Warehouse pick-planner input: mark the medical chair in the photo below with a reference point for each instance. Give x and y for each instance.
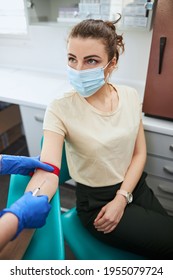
(83, 245)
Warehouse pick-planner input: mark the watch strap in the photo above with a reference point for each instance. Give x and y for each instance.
(122, 192)
(126, 194)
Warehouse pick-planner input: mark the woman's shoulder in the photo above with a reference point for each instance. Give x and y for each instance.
(128, 93)
(62, 98)
(123, 89)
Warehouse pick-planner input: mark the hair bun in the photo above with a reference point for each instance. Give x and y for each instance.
(111, 25)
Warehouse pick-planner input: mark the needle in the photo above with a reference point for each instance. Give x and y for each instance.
(38, 189)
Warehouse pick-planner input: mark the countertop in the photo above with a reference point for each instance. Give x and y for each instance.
(37, 89)
(30, 88)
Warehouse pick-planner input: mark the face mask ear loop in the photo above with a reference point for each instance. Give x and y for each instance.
(108, 75)
(107, 78)
(107, 65)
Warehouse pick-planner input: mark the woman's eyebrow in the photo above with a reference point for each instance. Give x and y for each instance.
(86, 57)
(92, 55)
(71, 54)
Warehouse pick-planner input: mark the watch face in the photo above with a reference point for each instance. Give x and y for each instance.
(129, 197)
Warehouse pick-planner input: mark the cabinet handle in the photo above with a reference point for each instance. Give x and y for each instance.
(171, 147)
(161, 54)
(38, 119)
(165, 189)
(168, 169)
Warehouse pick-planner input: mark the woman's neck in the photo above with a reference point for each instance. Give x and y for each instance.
(105, 99)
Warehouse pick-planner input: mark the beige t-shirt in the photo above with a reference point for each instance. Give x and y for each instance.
(99, 145)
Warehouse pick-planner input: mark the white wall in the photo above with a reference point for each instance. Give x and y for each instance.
(45, 50)
(133, 63)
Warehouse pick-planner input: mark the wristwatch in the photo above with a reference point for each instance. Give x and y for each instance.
(128, 195)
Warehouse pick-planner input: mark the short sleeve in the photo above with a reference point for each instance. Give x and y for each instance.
(53, 119)
(138, 103)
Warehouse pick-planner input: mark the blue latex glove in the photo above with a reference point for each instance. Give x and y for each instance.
(30, 210)
(22, 165)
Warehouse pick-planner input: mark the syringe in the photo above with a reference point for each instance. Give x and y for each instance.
(38, 189)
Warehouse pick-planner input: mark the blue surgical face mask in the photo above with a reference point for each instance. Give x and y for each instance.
(87, 82)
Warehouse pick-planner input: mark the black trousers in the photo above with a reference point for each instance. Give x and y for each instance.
(145, 228)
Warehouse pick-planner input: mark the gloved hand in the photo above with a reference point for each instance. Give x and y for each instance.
(30, 210)
(22, 165)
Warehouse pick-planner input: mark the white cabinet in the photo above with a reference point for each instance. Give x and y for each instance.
(33, 126)
(135, 14)
(159, 167)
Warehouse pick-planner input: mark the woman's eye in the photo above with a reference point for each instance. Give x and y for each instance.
(92, 61)
(71, 60)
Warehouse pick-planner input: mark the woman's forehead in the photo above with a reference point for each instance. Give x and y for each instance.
(86, 46)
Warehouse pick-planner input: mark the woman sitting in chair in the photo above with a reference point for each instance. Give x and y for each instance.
(101, 124)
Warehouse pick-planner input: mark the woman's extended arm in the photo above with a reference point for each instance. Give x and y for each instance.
(111, 213)
(8, 228)
(51, 153)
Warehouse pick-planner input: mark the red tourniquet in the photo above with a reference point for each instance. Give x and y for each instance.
(56, 170)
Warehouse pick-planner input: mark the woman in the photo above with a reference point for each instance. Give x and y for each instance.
(27, 212)
(105, 147)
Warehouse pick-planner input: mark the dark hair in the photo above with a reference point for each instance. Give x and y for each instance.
(103, 30)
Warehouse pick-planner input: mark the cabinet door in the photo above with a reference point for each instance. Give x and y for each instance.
(33, 126)
(163, 189)
(158, 97)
